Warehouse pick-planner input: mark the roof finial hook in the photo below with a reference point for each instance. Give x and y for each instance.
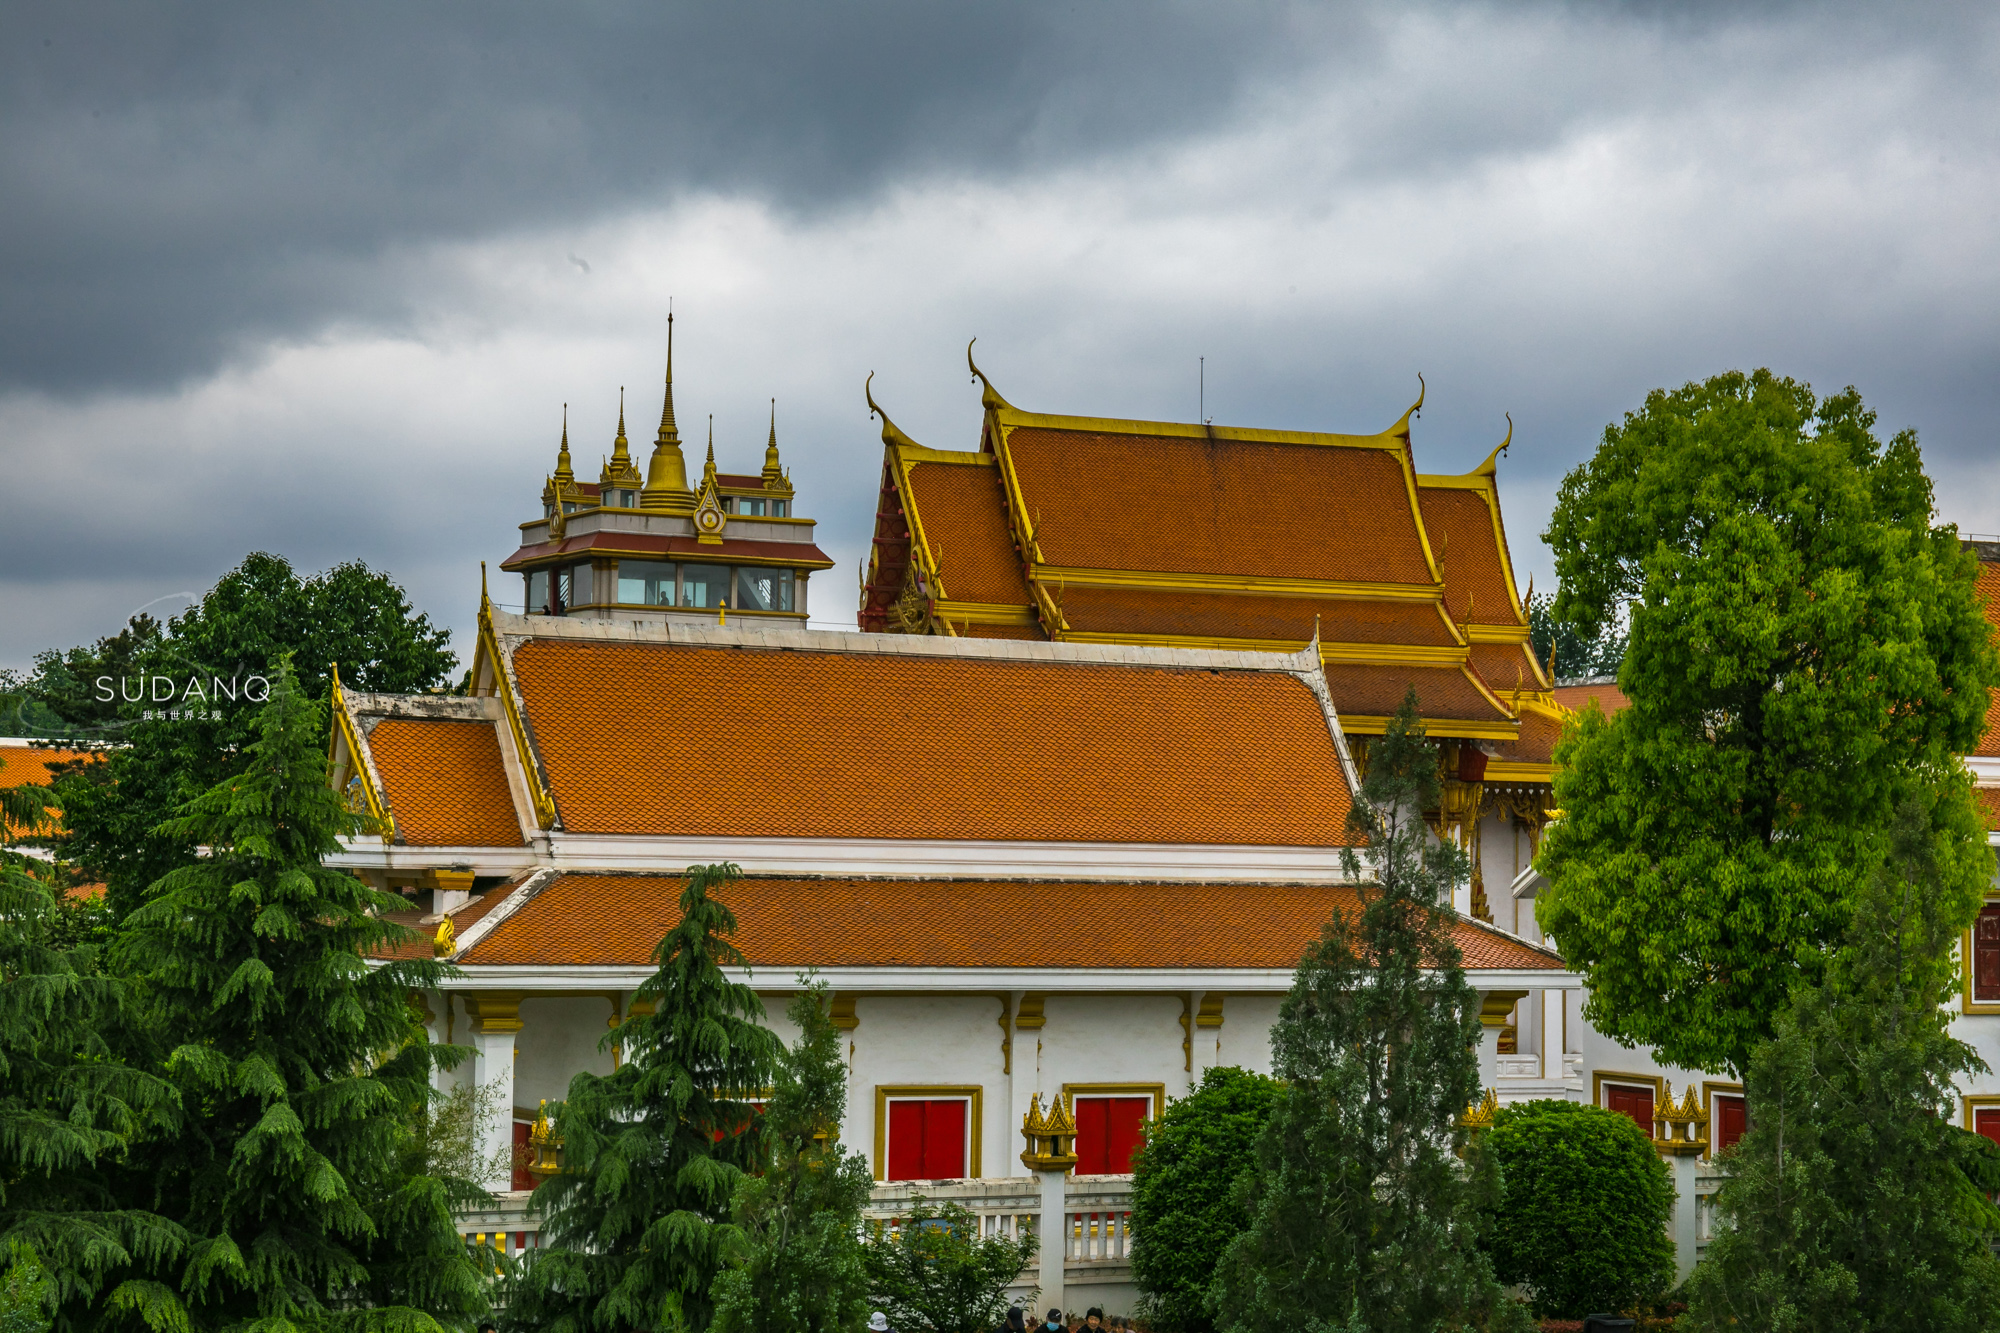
(989, 397)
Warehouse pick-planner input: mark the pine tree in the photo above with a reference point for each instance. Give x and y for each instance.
(1361, 1213)
(298, 1062)
(68, 1106)
(797, 1266)
(633, 1227)
(1846, 1209)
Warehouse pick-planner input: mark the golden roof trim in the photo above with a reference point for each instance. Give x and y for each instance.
(1245, 585)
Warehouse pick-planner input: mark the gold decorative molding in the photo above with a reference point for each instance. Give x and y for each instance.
(1006, 1034)
(494, 1011)
(1210, 1013)
(1479, 1117)
(1030, 1014)
(1495, 1005)
(840, 1011)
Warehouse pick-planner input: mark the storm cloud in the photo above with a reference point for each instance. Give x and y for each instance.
(319, 280)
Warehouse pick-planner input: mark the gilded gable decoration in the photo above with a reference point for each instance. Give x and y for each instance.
(709, 518)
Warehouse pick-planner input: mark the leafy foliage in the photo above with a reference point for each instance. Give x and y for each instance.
(1359, 1213)
(1575, 654)
(937, 1274)
(1182, 1217)
(796, 1262)
(1584, 1207)
(296, 1062)
(24, 1293)
(68, 1108)
(634, 1226)
(1806, 651)
(117, 809)
(1849, 1205)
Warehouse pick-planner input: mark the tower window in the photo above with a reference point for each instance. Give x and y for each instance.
(764, 589)
(645, 583)
(746, 505)
(704, 585)
(538, 591)
(781, 509)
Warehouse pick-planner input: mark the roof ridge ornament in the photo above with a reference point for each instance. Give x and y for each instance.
(989, 397)
(1491, 467)
(709, 520)
(891, 432)
(1402, 426)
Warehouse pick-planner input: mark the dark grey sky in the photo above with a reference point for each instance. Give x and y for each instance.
(319, 280)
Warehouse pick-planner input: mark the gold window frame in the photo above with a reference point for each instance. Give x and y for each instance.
(888, 1092)
(1973, 1104)
(1966, 1003)
(1657, 1082)
(1709, 1091)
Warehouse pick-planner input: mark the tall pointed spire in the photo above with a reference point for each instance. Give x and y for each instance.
(666, 472)
(619, 471)
(772, 472)
(564, 472)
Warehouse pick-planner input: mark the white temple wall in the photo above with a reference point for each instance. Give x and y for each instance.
(557, 1041)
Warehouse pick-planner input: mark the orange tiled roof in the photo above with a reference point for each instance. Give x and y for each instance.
(1505, 667)
(1460, 528)
(445, 783)
(865, 745)
(26, 765)
(1989, 592)
(1609, 697)
(422, 946)
(784, 923)
(964, 519)
(1232, 616)
(1192, 505)
(1377, 691)
(1537, 741)
(1020, 632)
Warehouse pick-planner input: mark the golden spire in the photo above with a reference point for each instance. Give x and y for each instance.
(666, 472)
(772, 472)
(708, 468)
(564, 473)
(619, 471)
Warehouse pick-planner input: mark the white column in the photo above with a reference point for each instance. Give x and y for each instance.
(1552, 1032)
(1054, 1234)
(496, 1019)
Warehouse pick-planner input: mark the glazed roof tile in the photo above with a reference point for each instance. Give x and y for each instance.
(925, 744)
(1234, 616)
(1577, 697)
(1460, 528)
(1443, 692)
(445, 783)
(964, 520)
(29, 765)
(1193, 505)
(1989, 592)
(582, 919)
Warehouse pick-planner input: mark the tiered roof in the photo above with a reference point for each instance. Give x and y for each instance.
(1105, 531)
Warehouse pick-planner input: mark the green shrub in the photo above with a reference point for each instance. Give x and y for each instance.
(1585, 1202)
(1182, 1218)
(936, 1274)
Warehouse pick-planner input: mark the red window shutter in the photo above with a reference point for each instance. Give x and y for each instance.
(906, 1141)
(927, 1140)
(1986, 955)
(521, 1179)
(1093, 1144)
(1635, 1102)
(1732, 1117)
(944, 1140)
(1986, 1120)
(1128, 1117)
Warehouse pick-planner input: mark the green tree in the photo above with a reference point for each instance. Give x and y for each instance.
(796, 1256)
(1573, 653)
(117, 808)
(1583, 1209)
(24, 1293)
(63, 693)
(1806, 650)
(1182, 1215)
(68, 1107)
(634, 1226)
(297, 1060)
(1847, 1206)
(937, 1274)
(1360, 1215)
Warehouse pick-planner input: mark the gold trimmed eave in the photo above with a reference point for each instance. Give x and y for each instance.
(348, 734)
(638, 546)
(1364, 724)
(982, 613)
(1332, 654)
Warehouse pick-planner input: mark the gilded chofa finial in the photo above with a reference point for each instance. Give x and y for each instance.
(891, 433)
(989, 396)
(1402, 426)
(445, 941)
(1491, 467)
